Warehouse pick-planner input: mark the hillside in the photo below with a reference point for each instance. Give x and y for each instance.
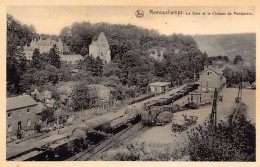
(228, 45)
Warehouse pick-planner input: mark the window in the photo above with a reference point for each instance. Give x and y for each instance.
(28, 110)
(28, 122)
(10, 128)
(191, 98)
(19, 113)
(9, 115)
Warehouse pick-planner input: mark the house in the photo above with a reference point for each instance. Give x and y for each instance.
(21, 113)
(100, 48)
(73, 58)
(159, 87)
(211, 78)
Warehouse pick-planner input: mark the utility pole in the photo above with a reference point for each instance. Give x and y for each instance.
(239, 95)
(214, 109)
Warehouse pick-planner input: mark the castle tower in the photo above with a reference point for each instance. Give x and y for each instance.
(100, 48)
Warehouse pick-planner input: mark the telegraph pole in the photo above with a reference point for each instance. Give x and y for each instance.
(214, 109)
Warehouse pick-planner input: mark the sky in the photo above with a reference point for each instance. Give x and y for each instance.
(51, 19)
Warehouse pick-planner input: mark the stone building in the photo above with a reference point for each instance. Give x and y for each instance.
(21, 113)
(73, 58)
(100, 48)
(44, 46)
(211, 78)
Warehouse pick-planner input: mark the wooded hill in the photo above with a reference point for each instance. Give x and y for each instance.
(228, 45)
(130, 71)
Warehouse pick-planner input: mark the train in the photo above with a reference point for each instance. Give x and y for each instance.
(94, 131)
(154, 108)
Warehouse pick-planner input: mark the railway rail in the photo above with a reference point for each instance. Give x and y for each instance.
(107, 144)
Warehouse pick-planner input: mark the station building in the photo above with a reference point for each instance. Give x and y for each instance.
(211, 78)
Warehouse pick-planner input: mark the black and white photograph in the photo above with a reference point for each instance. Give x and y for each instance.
(131, 83)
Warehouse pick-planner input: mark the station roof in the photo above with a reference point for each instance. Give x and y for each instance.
(159, 84)
(19, 102)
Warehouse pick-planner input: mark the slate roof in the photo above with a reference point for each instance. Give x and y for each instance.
(19, 102)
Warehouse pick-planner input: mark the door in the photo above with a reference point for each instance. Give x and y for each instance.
(20, 125)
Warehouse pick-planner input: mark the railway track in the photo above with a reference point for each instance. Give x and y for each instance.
(107, 144)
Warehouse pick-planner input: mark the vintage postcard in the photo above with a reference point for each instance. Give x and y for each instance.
(113, 83)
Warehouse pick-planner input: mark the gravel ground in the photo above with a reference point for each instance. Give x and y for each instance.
(163, 134)
(249, 98)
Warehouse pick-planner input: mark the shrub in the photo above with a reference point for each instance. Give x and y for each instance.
(223, 143)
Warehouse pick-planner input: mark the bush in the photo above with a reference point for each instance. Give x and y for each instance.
(223, 143)
(146, 152)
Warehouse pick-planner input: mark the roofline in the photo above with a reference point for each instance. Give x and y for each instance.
(22, 107)
(211, 69)
(165, 84)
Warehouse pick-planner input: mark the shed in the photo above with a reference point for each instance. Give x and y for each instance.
(159, 87)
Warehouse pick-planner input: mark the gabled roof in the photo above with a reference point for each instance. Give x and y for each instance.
(218, 71)
(19, 102)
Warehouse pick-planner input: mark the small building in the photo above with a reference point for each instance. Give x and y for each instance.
(211, 78)
(21, 113)
(159, 87)
(246, 85)
(253, 85)
(200, 97)
(73, 59)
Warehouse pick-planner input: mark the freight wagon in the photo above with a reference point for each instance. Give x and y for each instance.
(153, 108)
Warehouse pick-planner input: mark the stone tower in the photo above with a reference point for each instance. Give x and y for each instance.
(100, 48)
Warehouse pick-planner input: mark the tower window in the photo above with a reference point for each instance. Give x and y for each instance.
(28, 122)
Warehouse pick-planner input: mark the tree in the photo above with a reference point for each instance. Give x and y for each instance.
(238, 59)
(36, 59)
(98, 66)
(223, 143)
(47, 115)
(83, 97)
(54, 57)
